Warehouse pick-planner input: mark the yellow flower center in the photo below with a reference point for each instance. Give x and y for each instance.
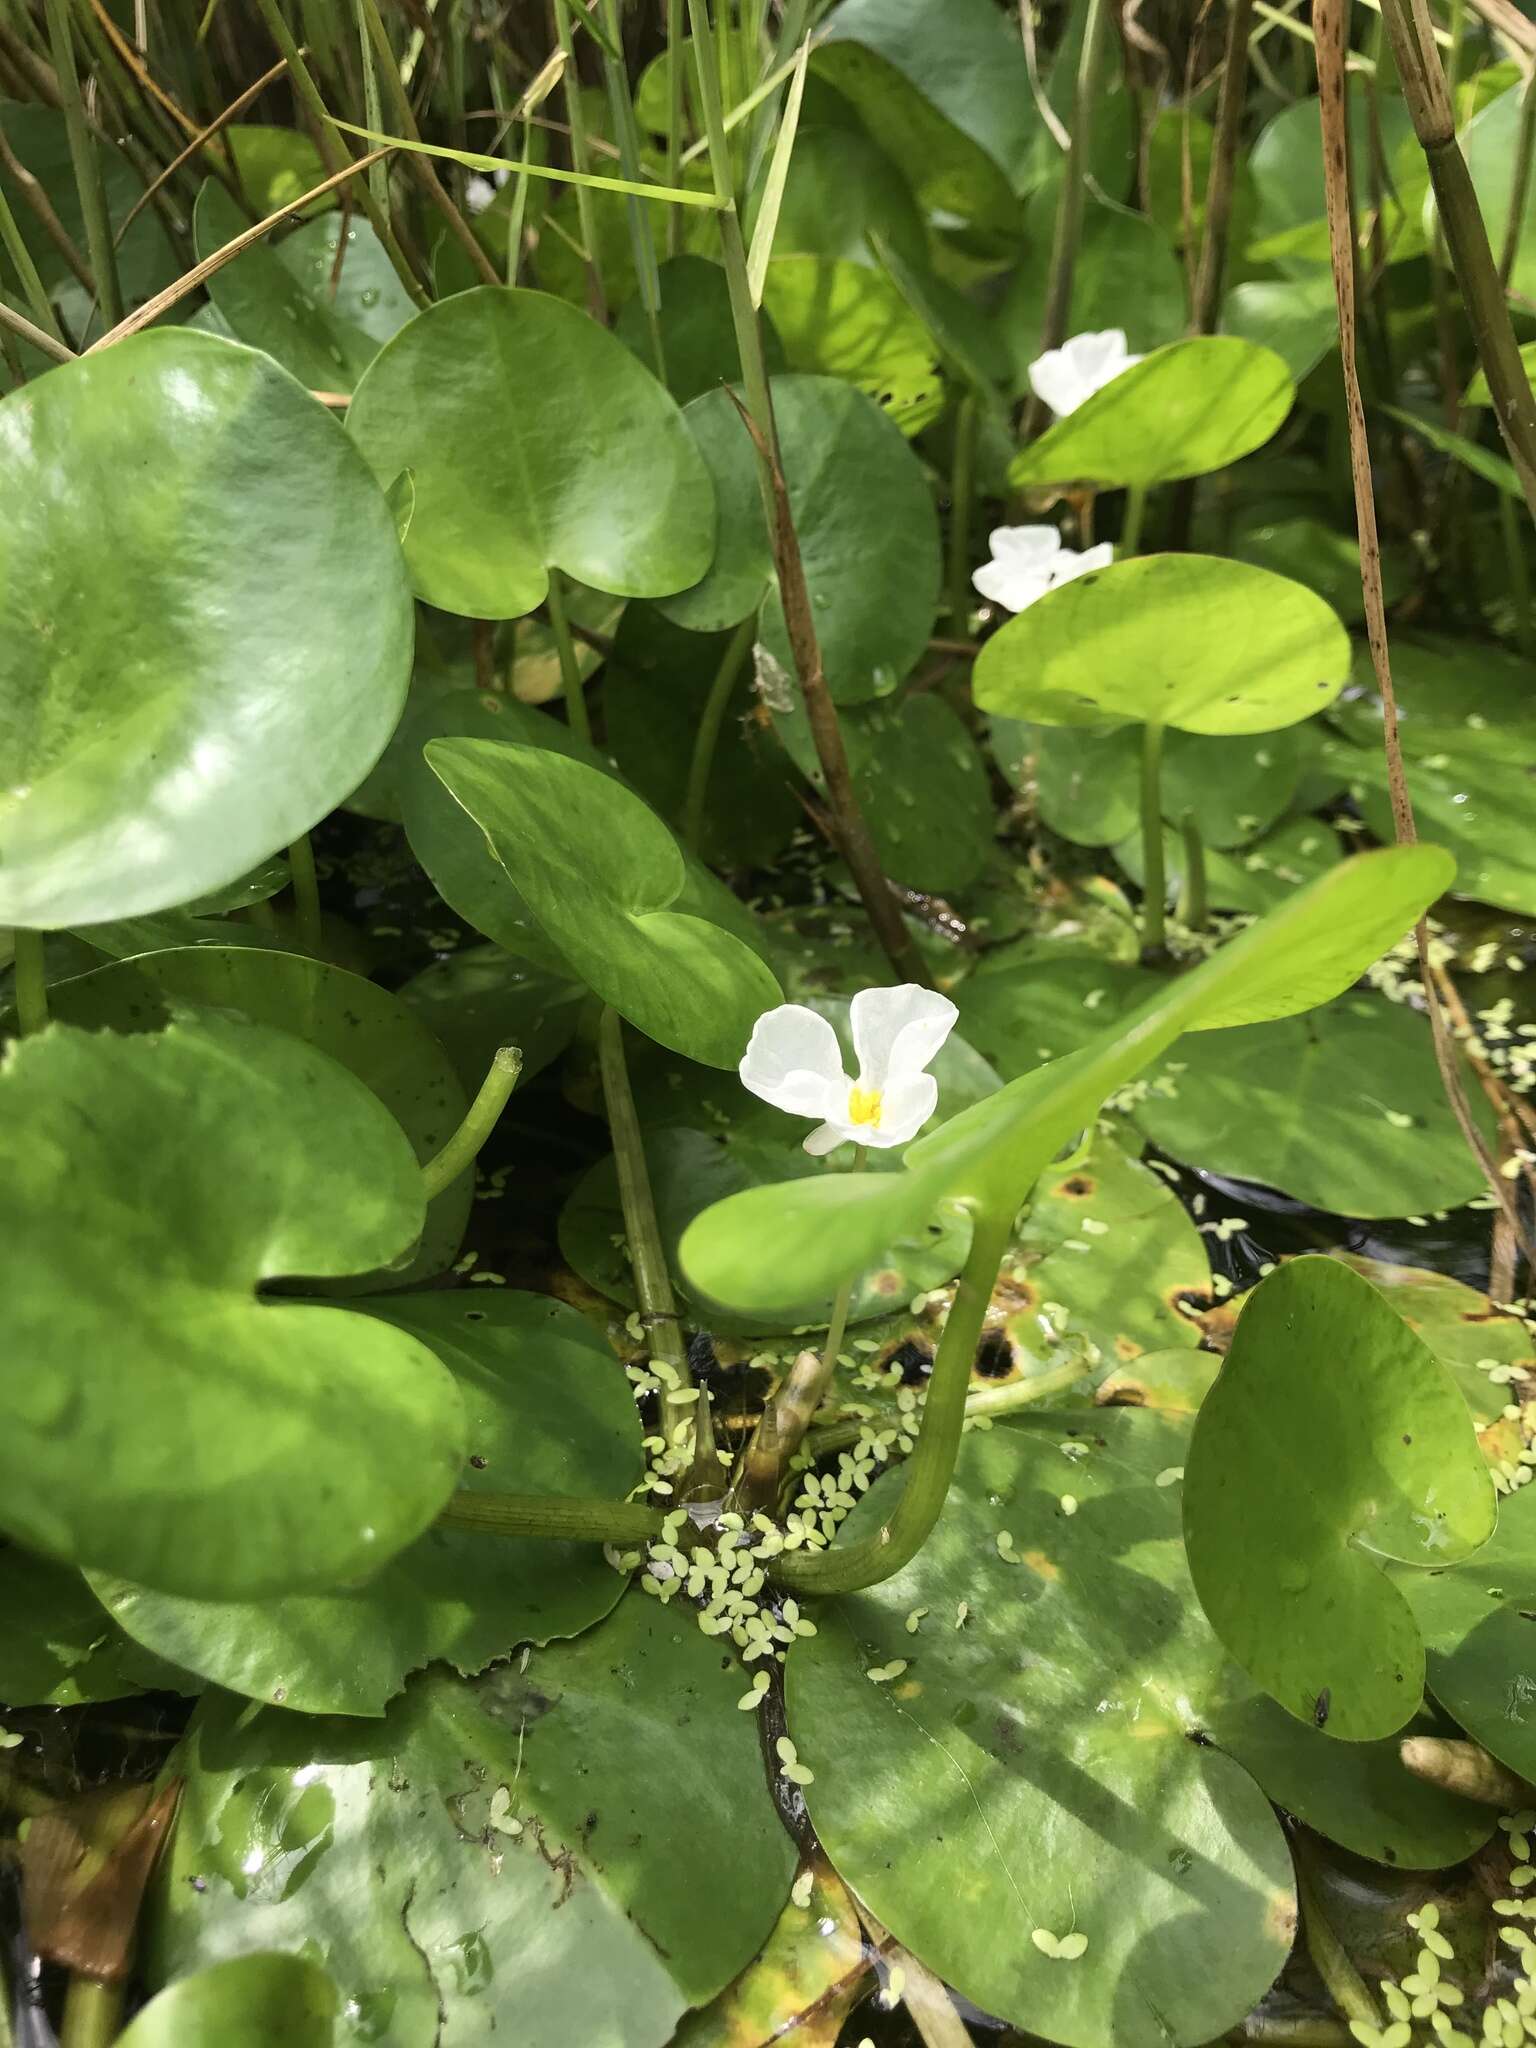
(864, 1107)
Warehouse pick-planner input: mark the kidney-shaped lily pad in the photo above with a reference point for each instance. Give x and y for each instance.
(548, 1411)
(58, 1645)
(1034, 1756)
(359, 1024)
(537, 442)
(205, 633)
(990, 1155)
(1333, 1442)
(865, 518)
(247, 2002)
(234, 1446)
(600, 871)
(1194, 641)
(1478, 1620)
(1191, 407)
(509, 1860)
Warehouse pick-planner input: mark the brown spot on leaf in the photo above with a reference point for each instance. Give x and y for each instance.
(1038, 1562)
(1127, 1348)
(1078, 1188)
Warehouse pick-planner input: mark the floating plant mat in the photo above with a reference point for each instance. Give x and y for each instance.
(510, 1855)
(1160, 1850)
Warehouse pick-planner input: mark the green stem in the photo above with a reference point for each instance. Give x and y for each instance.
(1154, 880)
(561, 1517)
(1342, 1981)
(648, 1259)
(962, 490)
(31, 982)
(332, 153)
(1194, 908)
(27, 271)
(570, 668)
(306, 894)
(87, 165)
(463, 1148)
(373, 111)
(1131, 524)
(674, 119)
(581, 160)
(627, 134)
(851, 1567)
(1069, 206)
(93, 2013)
(1519, 573)
(710, 721)
(1219, 185)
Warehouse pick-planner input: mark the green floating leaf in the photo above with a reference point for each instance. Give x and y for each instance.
(237, 1446)
(358, 1024)
(1290, 227)
(989, 1157)
(59, 1648)
(1343, 1110)
(547, 1411)
(1033, 1001)
(324, 320)
(603, 876)
(1191, 407)
(842, 319)
(1193, 641)
(1255, 878)
(1477, 1622)
(920, 783)
(537, 442)
(848, 471)
(1161, 1850)
(162, 738)
(480, 999)
(507, 1858)
(1332, 1443)
(1478, 807)
(248, 2002)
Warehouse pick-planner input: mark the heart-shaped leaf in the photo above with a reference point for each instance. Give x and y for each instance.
(535, 1815)
(58, 1646)
(847, 471)
(159, 644)
(537, 442)
(1332, 1442)
(236, 1446)
(1194, 641)
(841, 319)
(1191, 407)
(360, 1025)
(1343, 1109)
(247, 2002)
(324, 317)
(603, 875)
(548, 1411)
(1477, 1622)
(1302, 954)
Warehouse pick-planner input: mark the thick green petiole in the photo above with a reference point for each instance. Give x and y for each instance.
(306, 894)
(570, 668)
(1193, 908)
(707, 738)
(851, 1567)
(558, 1517)
(1154, 879)
(463, 1148)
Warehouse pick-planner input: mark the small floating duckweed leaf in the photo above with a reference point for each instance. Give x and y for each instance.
(1333, 1443)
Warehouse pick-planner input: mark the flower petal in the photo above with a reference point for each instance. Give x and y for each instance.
(1010, 584)
(1031, 546)
(897, 1031)
(827, 1137)
(905, 1106)
(1067, 565)
(1055, 378)
(794, 1062)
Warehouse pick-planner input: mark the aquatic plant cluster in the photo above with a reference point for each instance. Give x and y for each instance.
(766, 1129)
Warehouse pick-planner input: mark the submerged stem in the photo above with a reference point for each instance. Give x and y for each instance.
(560, 1517)
(931, 1466)
(711, 718)
(306, 893)
(93, 2013)
(1194, 907)
(1131, 523)
(648, 1259)
(570, 668)
(31, 982)
(463, 1148)
(1154, 879)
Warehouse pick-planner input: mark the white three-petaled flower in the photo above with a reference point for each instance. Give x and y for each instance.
(1027, 561)
(1065, 376)
(794, 1061)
